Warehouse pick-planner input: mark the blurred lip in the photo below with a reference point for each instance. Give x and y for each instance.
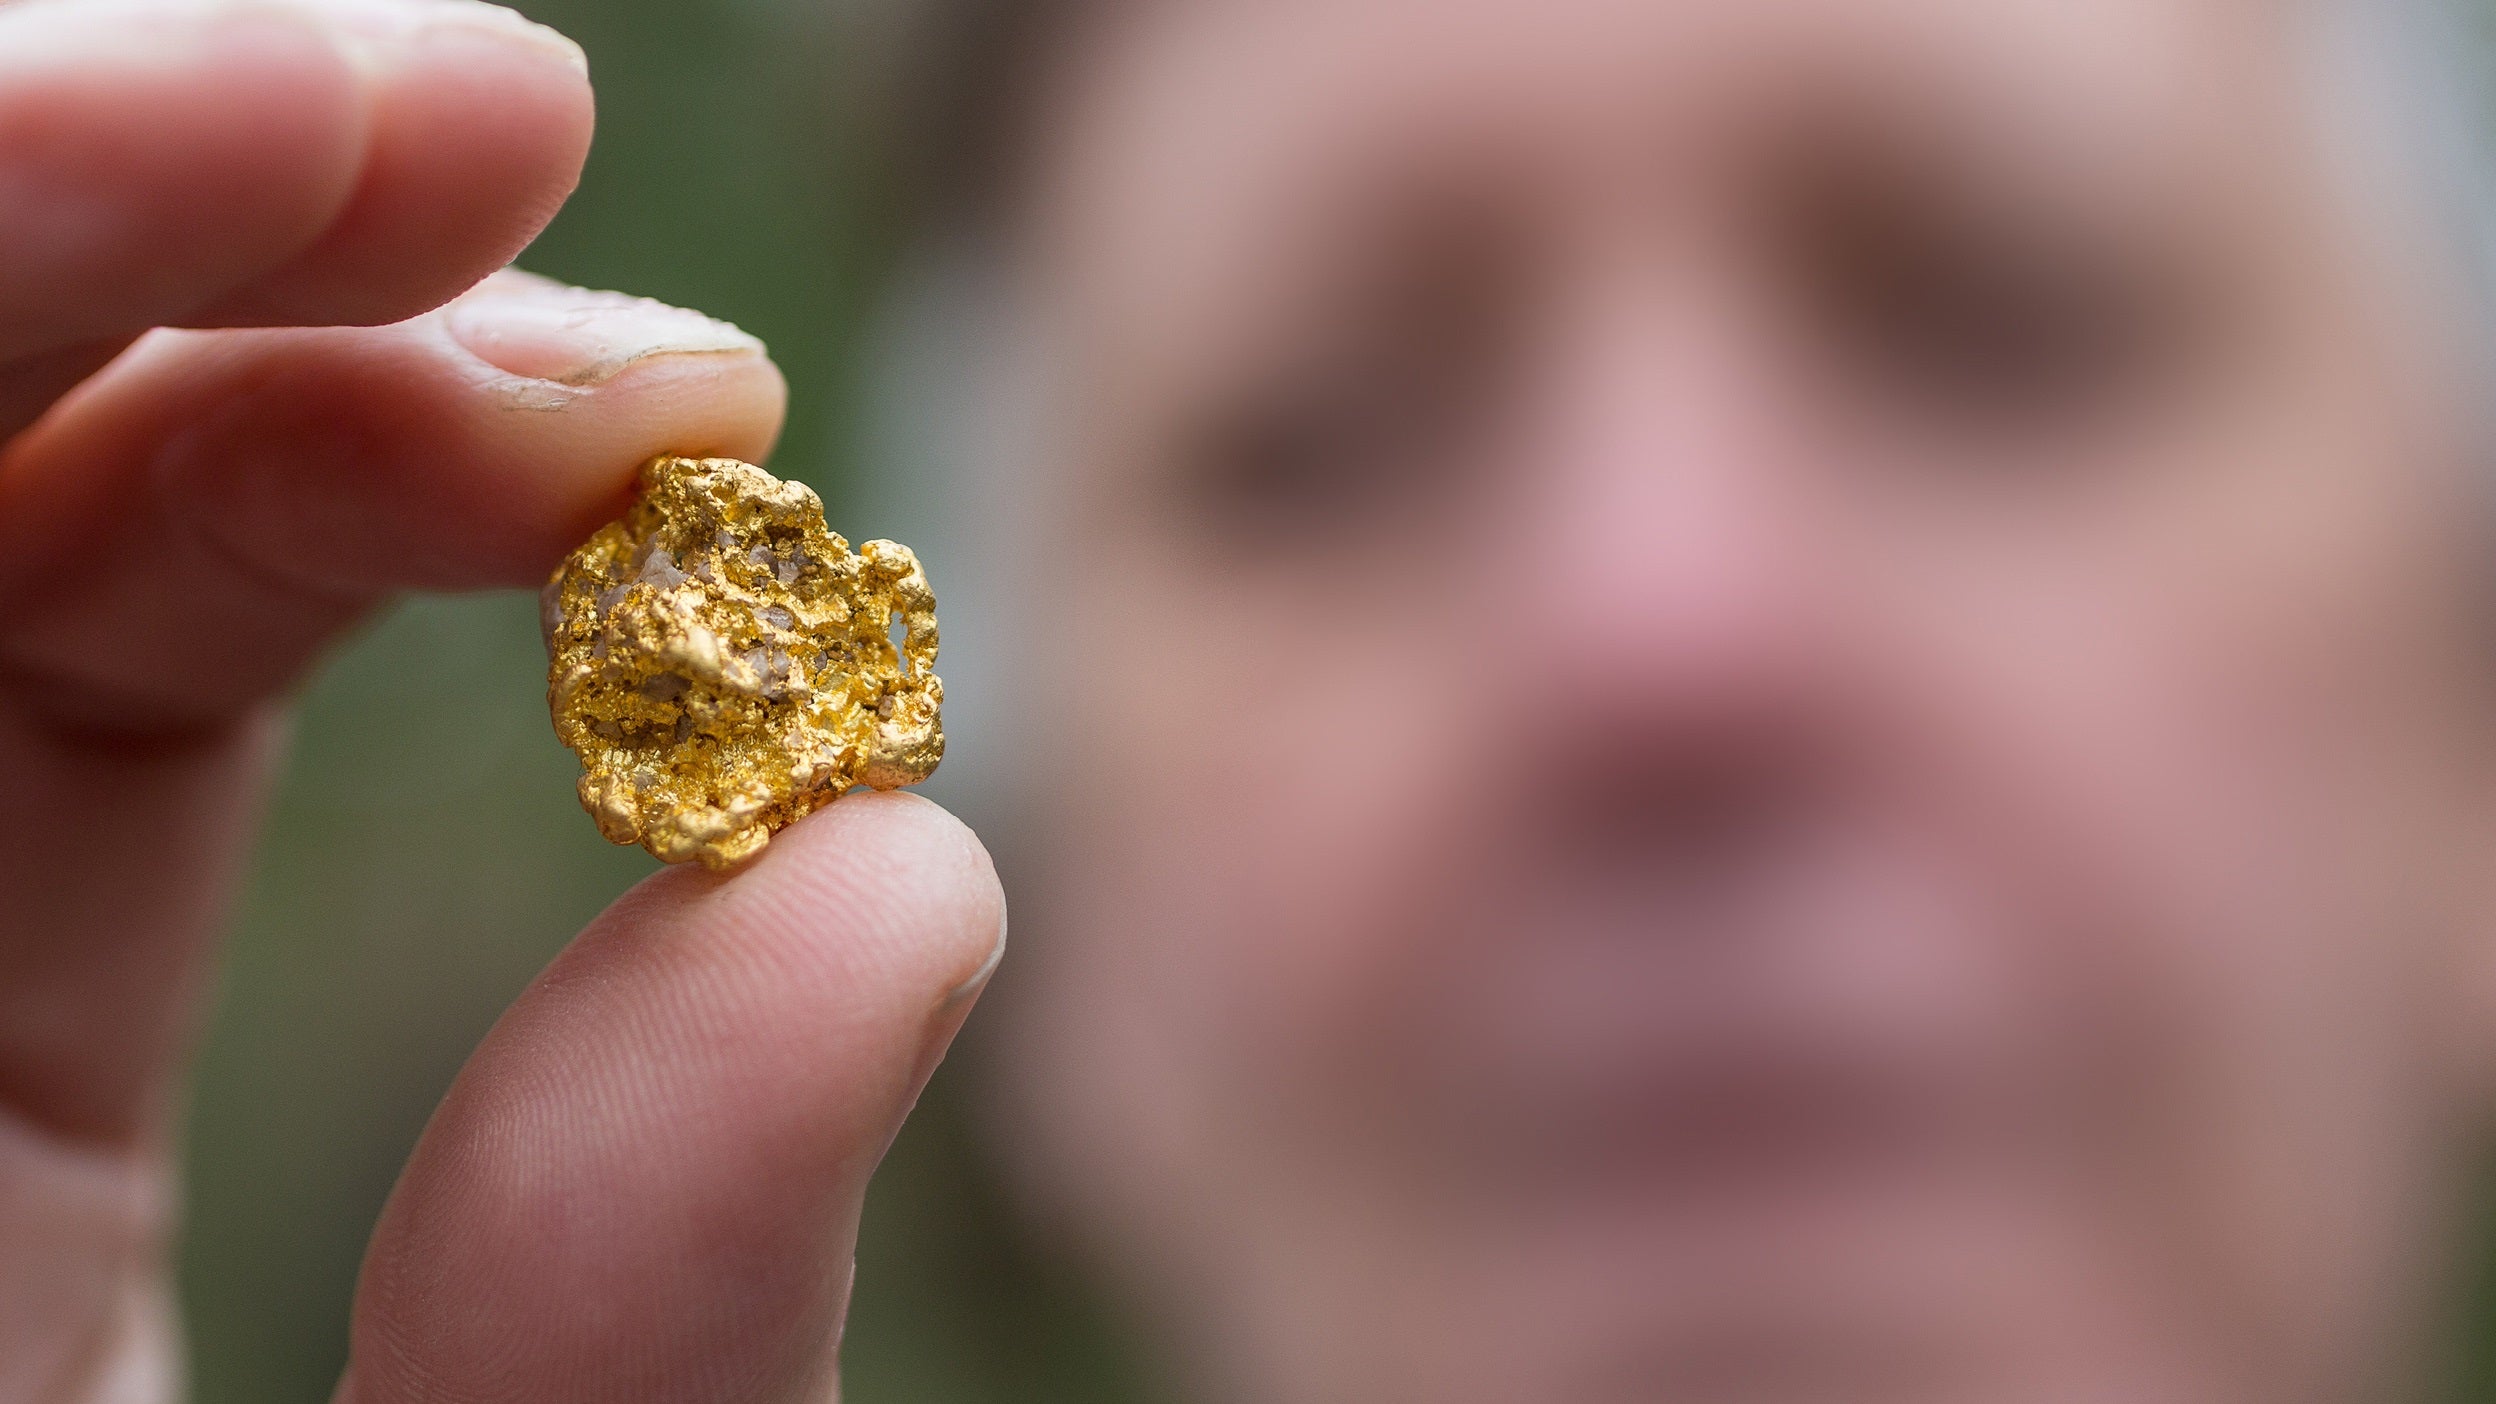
(1826, 1018)
(1770, 1118)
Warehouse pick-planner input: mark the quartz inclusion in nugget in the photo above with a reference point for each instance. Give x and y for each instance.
(725, 666)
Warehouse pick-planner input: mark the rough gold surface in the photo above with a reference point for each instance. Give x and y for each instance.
(725, 665)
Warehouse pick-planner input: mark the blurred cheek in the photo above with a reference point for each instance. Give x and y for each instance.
(2237, 635)
(2216, 723)
(1276, 774)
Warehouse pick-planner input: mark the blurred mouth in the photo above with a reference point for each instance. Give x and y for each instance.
(1730, 1125)
(1832, 1023)
(1821, 1026)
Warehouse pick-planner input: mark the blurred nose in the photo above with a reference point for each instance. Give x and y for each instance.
(1676, 555)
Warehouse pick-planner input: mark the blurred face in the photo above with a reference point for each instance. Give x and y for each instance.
(1768, 701)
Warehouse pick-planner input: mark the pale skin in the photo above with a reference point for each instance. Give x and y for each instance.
(646, 1183)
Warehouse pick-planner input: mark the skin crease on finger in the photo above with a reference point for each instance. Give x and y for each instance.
(1781, 702)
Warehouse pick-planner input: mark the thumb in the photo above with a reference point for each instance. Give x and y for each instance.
(645, 1185)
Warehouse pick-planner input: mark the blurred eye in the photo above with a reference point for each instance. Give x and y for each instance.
(1380, 401)
(2010, 339)
(1994, 324)
(1316, 453)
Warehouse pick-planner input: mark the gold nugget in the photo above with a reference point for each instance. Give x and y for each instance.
(725, 666)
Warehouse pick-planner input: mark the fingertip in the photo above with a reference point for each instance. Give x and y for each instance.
(891, 889)
(944, 902)
(553, 459)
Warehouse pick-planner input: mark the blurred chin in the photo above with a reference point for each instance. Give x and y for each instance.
(1932, 1295)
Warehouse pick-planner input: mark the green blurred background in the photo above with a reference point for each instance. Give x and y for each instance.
(425, 856)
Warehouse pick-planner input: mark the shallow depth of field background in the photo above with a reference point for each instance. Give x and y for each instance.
(425, 856)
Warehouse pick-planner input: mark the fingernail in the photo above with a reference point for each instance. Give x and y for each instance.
(947, 1020)
(540, 330)
(988, 967)
(387, 23)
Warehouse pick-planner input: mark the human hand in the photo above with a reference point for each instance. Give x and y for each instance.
(646, 1183)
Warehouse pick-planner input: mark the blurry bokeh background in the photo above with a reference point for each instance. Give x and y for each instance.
(425, 856)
